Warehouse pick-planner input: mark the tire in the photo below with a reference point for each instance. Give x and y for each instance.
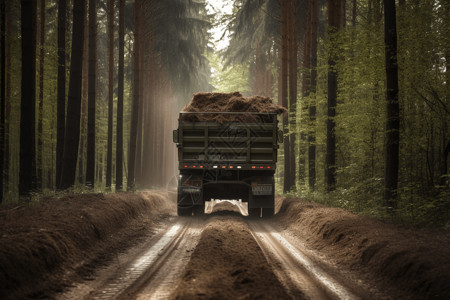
(199, 210)
(268, 212)
(254, 212)
(184, 211)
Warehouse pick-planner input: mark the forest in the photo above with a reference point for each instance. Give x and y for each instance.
(91, 89)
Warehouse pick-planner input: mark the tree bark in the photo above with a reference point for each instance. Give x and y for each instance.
(334, 9)
(293, 90)
(2, 92)
(110, 92)
(61, 89)
(84, 96)
(27, 175)
(393, 109)
(72, 132)
(119, 130)
(41, 96)
(284, 91)
(92, 83)
(136, 97)
(6, 183)
(312, 106)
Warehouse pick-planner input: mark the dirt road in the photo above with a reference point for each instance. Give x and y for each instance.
(305, 252)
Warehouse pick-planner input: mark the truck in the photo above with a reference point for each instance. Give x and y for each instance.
(227, 160)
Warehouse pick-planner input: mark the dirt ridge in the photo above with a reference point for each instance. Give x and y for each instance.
(228, 264)
(40, 243)
(413, 261)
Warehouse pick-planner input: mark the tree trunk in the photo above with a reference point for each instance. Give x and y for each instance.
(2, 92)
(72, 132)
(110, 92)
(306, 65)
(119, 130)
(6, 183)
(334, 9)
(92, 82)
(140, 130)
(27, 175)
(84, 96)
(41, 96)
(312, 107)
(136, 97)
(293, 90)
(284, 91)
(393, 109)
(61, 89)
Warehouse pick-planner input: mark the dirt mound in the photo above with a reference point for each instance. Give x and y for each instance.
(228, 264)
(41, 242)
(230, 102)
(414, 261)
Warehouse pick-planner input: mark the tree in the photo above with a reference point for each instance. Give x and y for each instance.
(334, 17)
(284, 90)
(41, 95)
(27, 175)
(392, 109)
(61, 89)
(110, 92)
(119, 130)
(72, 128)
(293, 49)
(92, 84)
(2, 91)
(313, 7)
(136, 96)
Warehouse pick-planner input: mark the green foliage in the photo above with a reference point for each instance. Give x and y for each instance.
(423, 30)
(228, 79)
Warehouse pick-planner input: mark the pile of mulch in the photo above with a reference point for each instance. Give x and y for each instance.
(228, 264)
(231, 102)
(412, 260)
(44, 242)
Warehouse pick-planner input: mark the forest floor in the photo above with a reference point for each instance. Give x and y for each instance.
(57, 248)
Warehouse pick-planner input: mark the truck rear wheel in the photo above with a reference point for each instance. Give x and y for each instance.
(184, 210)
(199, 210)
(254, 212)
(267, 212)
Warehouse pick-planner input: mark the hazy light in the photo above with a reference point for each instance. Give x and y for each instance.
(220, 8)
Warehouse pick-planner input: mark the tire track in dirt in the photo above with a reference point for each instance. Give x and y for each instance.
(153, 265)
(298, 273)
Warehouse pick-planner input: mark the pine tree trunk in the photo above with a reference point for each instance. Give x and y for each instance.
(312, 106)
(72, 132)
(27, 175)
(2, 92)
(293, 91)
(41, 97)
(110, 92)
(334, 9)
(119, 130)
(136, 97)
(92, 83)
(84, 96)
(61, 89)
(306, 64)
(393, 109)
(6, 148)
(140, 130)
(284, 91)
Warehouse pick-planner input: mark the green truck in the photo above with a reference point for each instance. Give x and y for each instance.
(227, 160)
